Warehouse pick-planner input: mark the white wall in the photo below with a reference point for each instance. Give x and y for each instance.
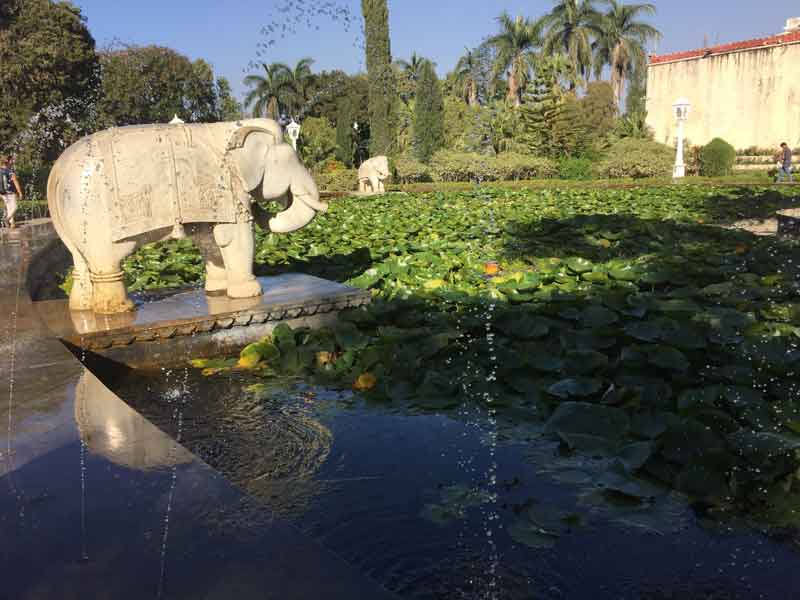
(748, 98)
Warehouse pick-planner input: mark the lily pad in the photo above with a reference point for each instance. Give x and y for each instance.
(579, 265)
(575, 387)
(588, 419)
(598, 316)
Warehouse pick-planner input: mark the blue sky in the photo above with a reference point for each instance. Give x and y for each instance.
(229, 33)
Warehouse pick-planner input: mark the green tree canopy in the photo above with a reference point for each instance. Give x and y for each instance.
(326, 91)
(150, 84)
(428, 114)
(50, 71)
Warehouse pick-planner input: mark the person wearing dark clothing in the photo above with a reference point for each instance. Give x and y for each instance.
(10, 190)
(784, 163)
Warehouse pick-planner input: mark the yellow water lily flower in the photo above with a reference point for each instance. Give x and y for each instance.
(365, 381)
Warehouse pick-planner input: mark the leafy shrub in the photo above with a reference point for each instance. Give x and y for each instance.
(632, 125)
(512, 167)
(455, 166)
(637, 159)
(317, 141)
(575, 168)
(331, 166)
(343, 180)
(717, 158)
(448, 166)
(410, 170)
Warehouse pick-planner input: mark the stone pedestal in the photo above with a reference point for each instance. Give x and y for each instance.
(171, 331)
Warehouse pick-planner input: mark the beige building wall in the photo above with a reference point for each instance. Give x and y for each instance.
(748, 98)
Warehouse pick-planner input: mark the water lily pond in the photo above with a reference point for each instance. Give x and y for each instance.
(553, 392)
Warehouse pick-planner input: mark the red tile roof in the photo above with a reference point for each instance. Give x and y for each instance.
(775, 40)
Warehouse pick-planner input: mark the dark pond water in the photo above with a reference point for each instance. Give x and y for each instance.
(455, 504)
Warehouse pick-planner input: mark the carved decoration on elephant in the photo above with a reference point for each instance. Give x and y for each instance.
(371, 175)
(117, 189)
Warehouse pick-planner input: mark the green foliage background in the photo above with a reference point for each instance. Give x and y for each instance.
(428, 114)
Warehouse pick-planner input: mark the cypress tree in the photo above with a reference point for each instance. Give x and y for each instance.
(428, 114)
(382, 84)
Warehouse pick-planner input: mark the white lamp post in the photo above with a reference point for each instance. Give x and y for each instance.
(681, 110)
(293, 131)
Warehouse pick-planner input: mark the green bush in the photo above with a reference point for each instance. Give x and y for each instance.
(448, 166)
(343, 180)
(637, 159)
(317, 141)
(575, 168)
(456, 166)
(717, 158)
(410, 170)
(513, 167)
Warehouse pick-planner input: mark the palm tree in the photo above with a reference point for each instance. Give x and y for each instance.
(465, 75)
(515, 46)
(409, 74)
(621, 41)
(298, 80)
(570, 27)
(271, 92)
(412, 69)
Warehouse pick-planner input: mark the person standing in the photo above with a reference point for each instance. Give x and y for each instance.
(10, 189)
(784, 163)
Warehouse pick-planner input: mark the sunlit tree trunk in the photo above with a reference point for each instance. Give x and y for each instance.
(272, 108)
(618, 74)
(472, 97)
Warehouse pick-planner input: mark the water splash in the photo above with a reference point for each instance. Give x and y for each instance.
(180, 398)
(13, 321)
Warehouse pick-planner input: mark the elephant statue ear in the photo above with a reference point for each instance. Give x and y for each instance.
(249, 146)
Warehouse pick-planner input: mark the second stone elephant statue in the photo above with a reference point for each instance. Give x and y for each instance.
(372, 173)
(118, 189)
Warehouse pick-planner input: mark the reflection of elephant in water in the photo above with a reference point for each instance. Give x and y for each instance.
(112, 429)
(118, 189)
(371, 174)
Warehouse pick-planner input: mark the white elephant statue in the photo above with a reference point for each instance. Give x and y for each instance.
(371, 174)
(117, 189)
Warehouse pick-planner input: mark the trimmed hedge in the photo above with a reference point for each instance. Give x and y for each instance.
(342, 180)
(717, 158)
(575, 168)
(636, 159)
(448, 166)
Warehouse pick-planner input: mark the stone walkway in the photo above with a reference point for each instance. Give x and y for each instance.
(95, 502)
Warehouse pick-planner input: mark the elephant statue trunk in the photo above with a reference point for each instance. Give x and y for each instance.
(285, 176)
(117, 189)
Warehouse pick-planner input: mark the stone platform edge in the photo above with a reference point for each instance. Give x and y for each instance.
(163, 331)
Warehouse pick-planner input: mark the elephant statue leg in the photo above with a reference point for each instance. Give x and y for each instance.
(81, 294)
(362, 185)
(375, 183)
(108, 290)
(236, 243)
(381, 187)
(216, 276)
